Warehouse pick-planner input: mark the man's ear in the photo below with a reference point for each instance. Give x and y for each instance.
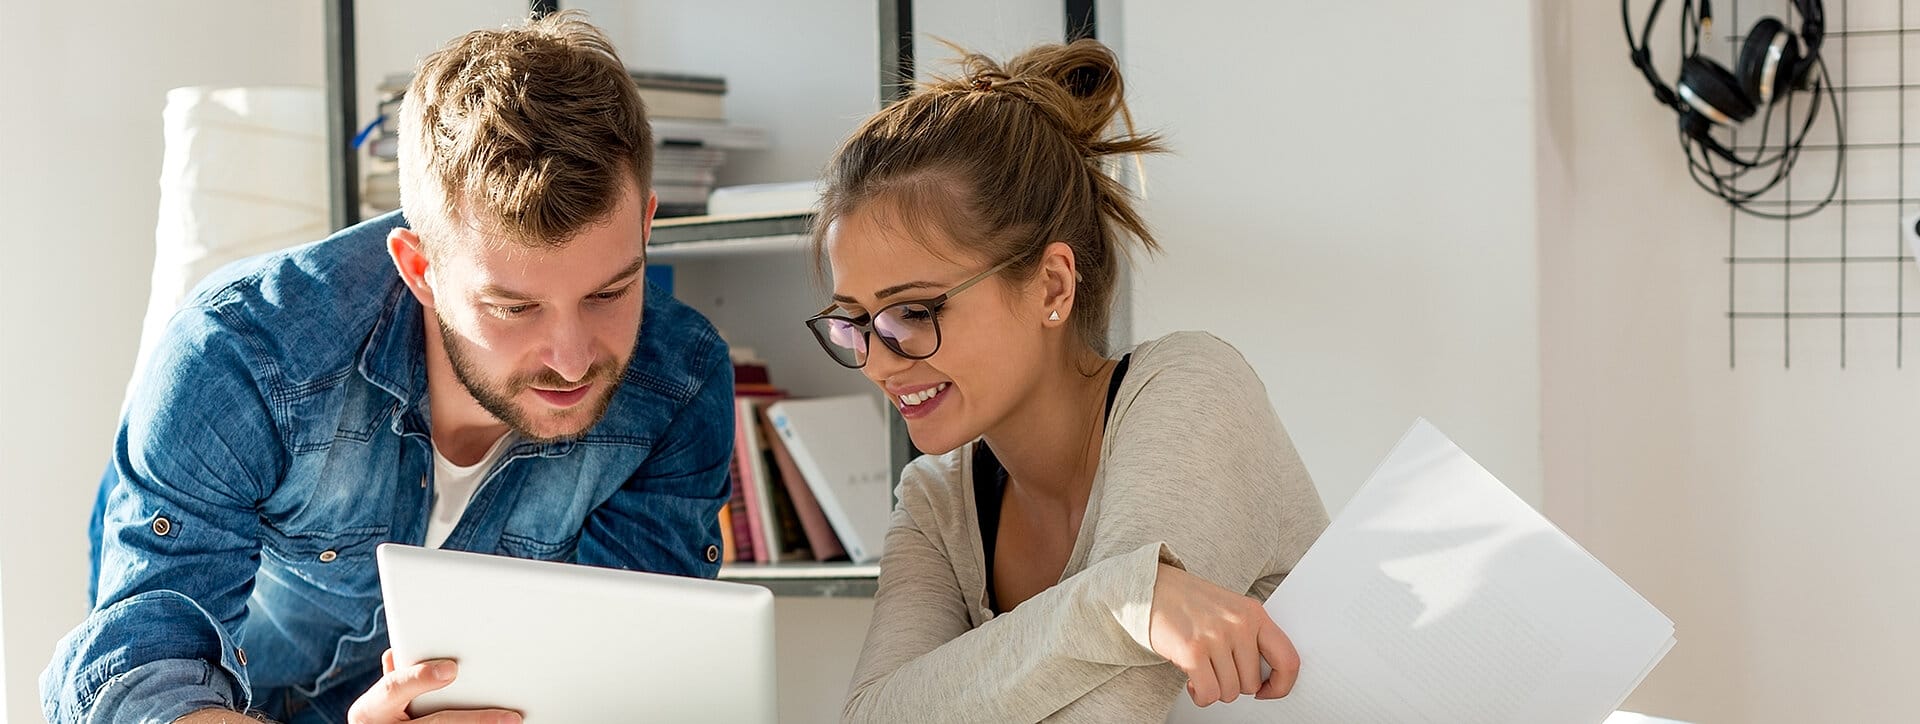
(412, 263)
(646, 222)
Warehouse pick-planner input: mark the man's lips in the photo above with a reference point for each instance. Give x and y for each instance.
(563, 398)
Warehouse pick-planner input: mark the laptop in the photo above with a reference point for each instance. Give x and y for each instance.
(563, 643)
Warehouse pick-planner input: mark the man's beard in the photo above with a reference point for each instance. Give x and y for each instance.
(497, 399)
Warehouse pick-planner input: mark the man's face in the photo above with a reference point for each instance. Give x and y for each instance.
(541, 337)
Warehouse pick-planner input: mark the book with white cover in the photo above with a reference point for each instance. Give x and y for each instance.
(840, 446)
(1439, 596)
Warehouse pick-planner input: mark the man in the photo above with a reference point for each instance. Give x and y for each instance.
(491, 373)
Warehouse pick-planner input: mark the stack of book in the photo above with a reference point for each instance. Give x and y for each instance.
(772, 514)
(691, 139)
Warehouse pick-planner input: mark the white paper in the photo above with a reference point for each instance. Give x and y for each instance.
(1439, 596)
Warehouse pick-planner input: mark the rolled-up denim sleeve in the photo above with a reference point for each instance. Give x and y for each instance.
(196, 451)
(666, 517)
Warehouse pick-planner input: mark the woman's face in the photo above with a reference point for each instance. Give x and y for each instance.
(991, 335)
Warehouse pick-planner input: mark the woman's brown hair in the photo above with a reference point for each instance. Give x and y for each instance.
(1003, 160)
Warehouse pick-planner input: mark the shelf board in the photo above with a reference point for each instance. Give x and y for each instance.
(716, 248)
(702, 237)
(807, 578)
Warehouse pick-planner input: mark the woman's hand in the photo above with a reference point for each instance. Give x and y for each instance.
(1218, 638)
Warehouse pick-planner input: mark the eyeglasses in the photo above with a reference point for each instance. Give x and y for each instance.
(910, 328)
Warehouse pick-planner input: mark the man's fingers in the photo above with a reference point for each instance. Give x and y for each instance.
(1280, 654)
(400, 688)
(386, 662)
(471, 716)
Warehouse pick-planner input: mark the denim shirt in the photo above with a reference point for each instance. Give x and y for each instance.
(280, 434)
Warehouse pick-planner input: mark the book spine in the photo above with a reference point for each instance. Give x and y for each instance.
(821, 540)
(737, 514)
(749, 489)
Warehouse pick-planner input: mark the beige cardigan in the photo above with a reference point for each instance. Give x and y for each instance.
(1195, 470)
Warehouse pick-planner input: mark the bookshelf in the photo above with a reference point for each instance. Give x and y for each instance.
(802, 578)
(751, 275)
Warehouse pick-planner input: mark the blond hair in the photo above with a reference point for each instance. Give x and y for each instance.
(526, 133)
(1003, 160)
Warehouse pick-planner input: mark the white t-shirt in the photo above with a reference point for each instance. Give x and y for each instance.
(453, 487)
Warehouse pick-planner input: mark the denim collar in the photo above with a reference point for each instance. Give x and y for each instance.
(394, 358)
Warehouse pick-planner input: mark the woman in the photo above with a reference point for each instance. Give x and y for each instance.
(1089, 533)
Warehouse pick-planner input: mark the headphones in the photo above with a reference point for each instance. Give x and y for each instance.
(1773, 62)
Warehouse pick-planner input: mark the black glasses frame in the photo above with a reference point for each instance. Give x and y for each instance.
(864, 323)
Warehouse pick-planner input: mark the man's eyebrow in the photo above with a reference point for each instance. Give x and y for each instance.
(500, 292)
(633, 268)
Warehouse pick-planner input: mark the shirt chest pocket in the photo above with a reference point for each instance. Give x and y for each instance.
(338, 562)
(550, 545)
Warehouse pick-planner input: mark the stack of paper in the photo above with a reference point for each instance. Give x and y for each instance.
(1439, 596)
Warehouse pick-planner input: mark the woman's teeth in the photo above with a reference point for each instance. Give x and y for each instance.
(916, 398)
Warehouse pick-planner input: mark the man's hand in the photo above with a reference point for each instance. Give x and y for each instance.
(389, 698)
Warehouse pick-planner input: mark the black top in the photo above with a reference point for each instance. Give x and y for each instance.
(990, 484)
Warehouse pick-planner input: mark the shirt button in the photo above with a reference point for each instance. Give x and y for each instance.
(713, 554)
(162, 526)
(328, 556)
(240, 654)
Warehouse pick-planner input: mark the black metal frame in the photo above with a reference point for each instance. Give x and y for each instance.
(1082, 20)
(896, 50)
(343, 167)
(1878, 260)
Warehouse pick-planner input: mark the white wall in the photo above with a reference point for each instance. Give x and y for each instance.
(1768, 511)
(998, 28)
(1343, 206)
(85, 85)
(4, 681)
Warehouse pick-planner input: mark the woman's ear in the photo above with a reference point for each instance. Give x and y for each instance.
(1058, 279)
(411, 261)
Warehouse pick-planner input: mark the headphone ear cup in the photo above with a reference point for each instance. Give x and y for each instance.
(1764, 77)
(1713, 91)
(1794, 69)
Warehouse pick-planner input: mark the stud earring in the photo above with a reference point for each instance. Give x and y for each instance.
(1054, 317)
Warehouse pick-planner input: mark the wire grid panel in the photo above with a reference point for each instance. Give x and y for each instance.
(1837, 287)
